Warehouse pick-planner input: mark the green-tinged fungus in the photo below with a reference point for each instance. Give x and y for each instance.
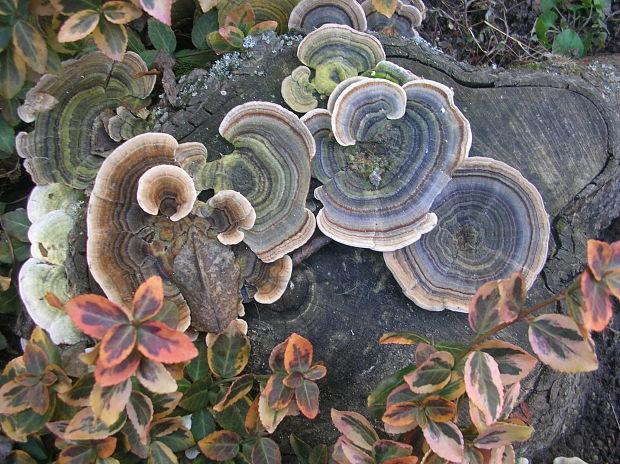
(309, 15)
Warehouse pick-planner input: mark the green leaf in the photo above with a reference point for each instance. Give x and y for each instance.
(222, 445)
(218, 44)
(266, 451)
(30, 45)
(483, 384)
(229, 353)
(203, 26)
(159, 453)
(5, 37)
(378, 396)
(198, 367)
(568, 43)
(547, 5)
(232, 35)
(301, 449)
(195, 58)
(558, 342)
(16, 224)
(20, 249)
(148, 56)
(3, 343)
(53, 65)
(35, 448)
(12, 73)
(161, 36)
(385, 450)
(199, 395)
(202, 424)
(233, 418)
(457, 349)
(134, 43)
(543, 23)
(179, 440)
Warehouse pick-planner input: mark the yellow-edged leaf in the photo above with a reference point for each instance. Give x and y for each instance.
(119, 12)
(78, 26)
(30, 45)
(111, 39)
(109, 402)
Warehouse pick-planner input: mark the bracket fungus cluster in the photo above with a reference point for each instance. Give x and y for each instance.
(71, 114)
(309, 15)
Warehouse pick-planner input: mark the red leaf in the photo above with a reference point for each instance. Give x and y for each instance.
(158, 9)
(95, 315)
(160, 343)
(117, 344)
(598, 308)
(599, 256)
(316, 372)
(38, 398)
(293, 380)
(148, 299)
(307, 396)
(276, 358)
(119, 373)
(35, 359)
(298, 354)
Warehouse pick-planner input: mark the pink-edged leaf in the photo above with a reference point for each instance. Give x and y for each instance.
(35, 359)
(612, 281)
(155, 377)
(511, 397)
(433, 374)
(514, 363)
(557, 342)
(422, 352)
(78, 26)
(385, 7)
(117, 344)
(385, 450)
(265, 451)
(158, 9)
(222, 445)
(13, 398)
(402, 394)
(293, 380)
(501, 434)
(148, 299)
(237, 390)
(242, 17)
(270, 418)
(106, 376)
(597, 309)
(599, 257)
(477, 418)
(85, 426)
(95, 315)
(403, 460)
(403, 338)
(262, 27)
(445, 439)
(278, 395)
(355, 428)
(140, 414)
(484, 385)
(316, 372)
(120, 12)
(307, 398)
(401, 414)
(232, 36)
(439, 409)
(276, 358)
(484, 308)
(355, 455)
(109, 402)
(160, 343)
(38, 397)
(217, 43)
(473, 455)
(79, 393)
(298, 354)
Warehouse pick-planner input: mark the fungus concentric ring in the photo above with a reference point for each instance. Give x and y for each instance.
(166, 188)
(309, 15)
(492, 222)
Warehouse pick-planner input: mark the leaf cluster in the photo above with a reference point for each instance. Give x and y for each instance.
(422, 402)
(573, 27)
(14, 249)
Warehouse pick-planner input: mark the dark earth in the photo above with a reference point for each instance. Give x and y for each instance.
(573, 415)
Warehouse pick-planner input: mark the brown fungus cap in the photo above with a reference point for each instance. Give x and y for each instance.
(492, 222)
(167, 189)
(309, 15)
(231, 213)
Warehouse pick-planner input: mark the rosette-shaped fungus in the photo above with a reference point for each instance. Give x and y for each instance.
(270, 166)
(492, 222)
(309, 15)
(337, 52)
(51, 209)
(68, 144)
(403, 22)
(383, 154)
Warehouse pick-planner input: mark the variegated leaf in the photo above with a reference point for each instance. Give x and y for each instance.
(158, 9)
(387, 450)
(40, 338)
(78, 26)
(265, 451)
(155, 377)
(355, 455)
(403, 338)
(140, 413)
(501, 434)
(12, 73)
(159, 453)
(445, 439)
(355, 427)
(117, 344)
(262, 27)
(278, 394)
(237, 390)
(307, 398)
(401, 414)
(30, 45)
(439, 409)
(149, 297)
(511, 397)
(271, 418)
(206, 5)
(165, 426)
(106, 376)
(222, 445)
(241, 17)
(597, 310)
(514, 363)
(163, 405)
(13, 398)
(95, 315)
(79, 393)
(484, 308)
(483, 384)
(298, 354)
(120, 12)
(229, 353)
(402, 394)
(557, 342)
(109, 402)
(35, 359)
(380, 394)
(111, 39)
(433, 374)
(423, 352)
(85, 426)
(160, 343)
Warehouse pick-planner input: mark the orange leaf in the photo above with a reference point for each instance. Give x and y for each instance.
(106, 447)
(160, 343)
(597, 309)
(298, 354)
(117, 344)
(95, 315)
(78, 26)
(307, 397)
(599, 256)
(242, 18)
(148, 299)
(53, 301)
(118, 373)
(385, 7)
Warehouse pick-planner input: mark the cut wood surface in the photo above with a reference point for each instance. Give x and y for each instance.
(560, 130)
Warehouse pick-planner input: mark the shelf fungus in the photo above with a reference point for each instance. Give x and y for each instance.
(309, 15)
(231, 214)
(391, 72)
(167, 189)
(404, 22)
(297, 91)
(337, 52)
(270, 166)
(492, 222)
(383, 154)
(69, 140)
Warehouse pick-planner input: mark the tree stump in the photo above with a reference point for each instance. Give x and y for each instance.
(560, 130)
